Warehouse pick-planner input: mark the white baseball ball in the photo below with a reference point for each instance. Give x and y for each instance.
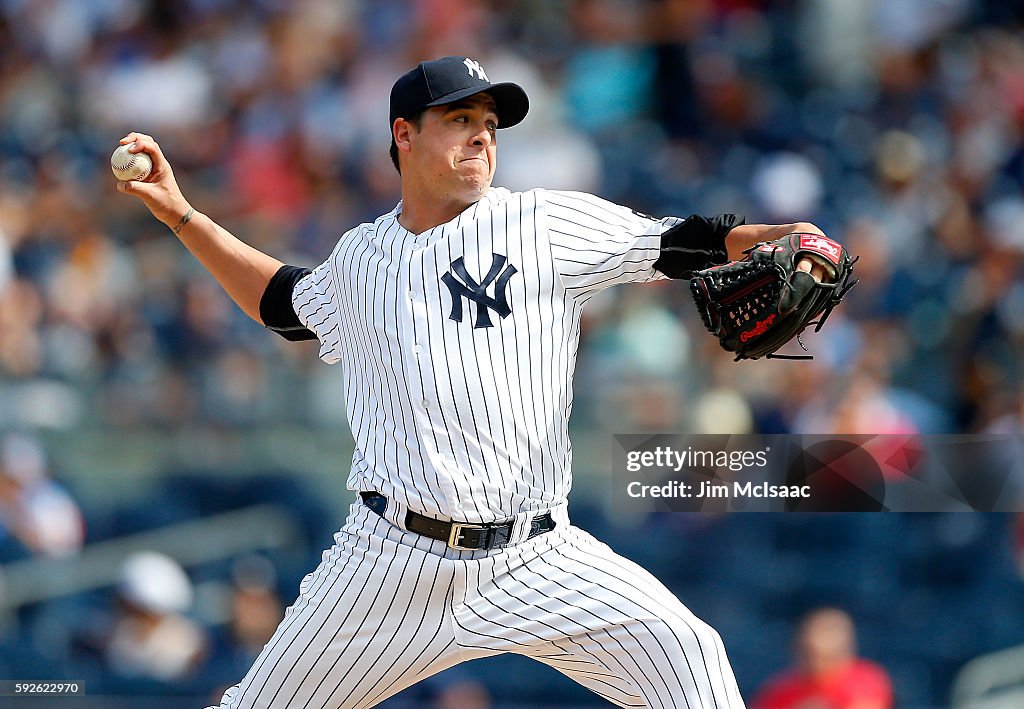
(130, 166)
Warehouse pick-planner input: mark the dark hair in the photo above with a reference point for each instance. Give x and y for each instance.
(416, 119)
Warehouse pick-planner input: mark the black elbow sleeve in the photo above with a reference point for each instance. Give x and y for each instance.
(695, 243)
(276, 309)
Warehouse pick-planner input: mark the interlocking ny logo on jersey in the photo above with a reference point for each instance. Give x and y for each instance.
(474, 68)
(477, 292)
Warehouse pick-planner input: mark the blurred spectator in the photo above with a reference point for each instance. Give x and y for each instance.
(787, 186)
(828, 674)
(638, 364)
(463, 694)
(151, 637)
(255, 609)
(34, 509)
(610, 74)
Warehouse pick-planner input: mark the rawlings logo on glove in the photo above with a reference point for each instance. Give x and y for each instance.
(757, 305)
(758, 329)
(821, 245)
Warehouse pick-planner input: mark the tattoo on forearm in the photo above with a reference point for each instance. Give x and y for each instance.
(184, 220)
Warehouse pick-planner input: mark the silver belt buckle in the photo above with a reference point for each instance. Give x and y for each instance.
(457, 532)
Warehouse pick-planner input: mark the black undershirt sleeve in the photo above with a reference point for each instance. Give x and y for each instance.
(695, 243)
(276, 310)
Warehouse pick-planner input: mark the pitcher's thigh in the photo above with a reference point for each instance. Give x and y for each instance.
(626, 630)
(373, 619)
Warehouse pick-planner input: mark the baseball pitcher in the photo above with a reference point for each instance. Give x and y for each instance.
(455, 319)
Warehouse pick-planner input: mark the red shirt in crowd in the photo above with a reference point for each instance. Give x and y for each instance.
(858, 685)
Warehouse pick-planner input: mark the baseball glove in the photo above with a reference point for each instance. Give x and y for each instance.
(756, 305)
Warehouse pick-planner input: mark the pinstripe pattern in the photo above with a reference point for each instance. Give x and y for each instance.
(456, 421)
(346, 640)
(470, 423)
(387, 608)
(571, 598)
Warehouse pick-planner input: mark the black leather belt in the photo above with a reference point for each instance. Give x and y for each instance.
(460, 535)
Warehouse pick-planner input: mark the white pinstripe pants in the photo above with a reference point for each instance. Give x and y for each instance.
(387, 608)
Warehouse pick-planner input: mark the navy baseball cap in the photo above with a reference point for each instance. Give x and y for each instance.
(450, 79)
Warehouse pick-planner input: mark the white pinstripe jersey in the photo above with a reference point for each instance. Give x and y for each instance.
(459, 407)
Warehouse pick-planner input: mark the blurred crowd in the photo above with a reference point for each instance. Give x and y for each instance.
(895, 125)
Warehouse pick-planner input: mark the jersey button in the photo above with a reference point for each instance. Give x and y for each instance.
(417, 349)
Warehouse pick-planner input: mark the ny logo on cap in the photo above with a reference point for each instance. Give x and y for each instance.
(474, 68)
(477, 292)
